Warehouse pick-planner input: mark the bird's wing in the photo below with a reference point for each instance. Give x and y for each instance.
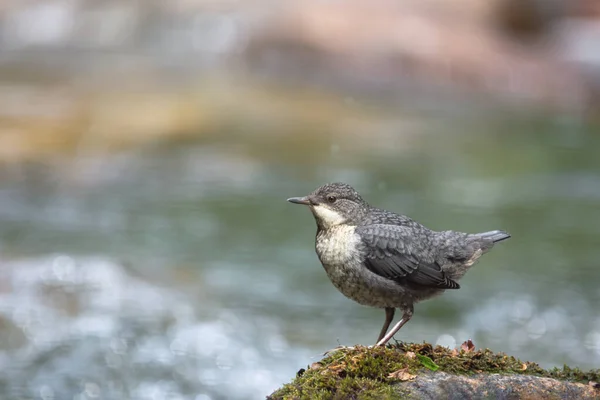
(392, 252)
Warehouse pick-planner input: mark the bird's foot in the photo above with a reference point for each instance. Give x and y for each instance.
(335, 349)
(382, 344)
(330, 352)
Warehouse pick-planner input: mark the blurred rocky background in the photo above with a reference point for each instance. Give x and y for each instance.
(147, 147)
(122, 72)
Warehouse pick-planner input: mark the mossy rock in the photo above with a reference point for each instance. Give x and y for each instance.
(421, 371)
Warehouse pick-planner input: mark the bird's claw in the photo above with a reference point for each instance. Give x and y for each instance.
(331, 351)
(335, 349)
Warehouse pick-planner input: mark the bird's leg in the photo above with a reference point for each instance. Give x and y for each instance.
(389, 317)
(405, 318)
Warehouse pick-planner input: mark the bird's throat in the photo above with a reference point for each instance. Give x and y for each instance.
(326, 217)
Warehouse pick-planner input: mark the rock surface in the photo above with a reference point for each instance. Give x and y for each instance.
(442, 385)
(420, 371)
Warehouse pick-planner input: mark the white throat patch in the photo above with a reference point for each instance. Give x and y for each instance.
(327, 216)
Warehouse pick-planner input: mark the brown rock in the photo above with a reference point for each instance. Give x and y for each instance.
(411, 46)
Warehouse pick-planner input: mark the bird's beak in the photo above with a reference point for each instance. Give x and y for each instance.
(300, 200)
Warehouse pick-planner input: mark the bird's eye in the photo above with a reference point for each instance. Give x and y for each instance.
(331, 199)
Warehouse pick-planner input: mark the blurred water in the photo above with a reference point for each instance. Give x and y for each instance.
(180, 272)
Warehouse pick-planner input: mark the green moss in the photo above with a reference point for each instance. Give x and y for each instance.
(344, 388)
(366, 373)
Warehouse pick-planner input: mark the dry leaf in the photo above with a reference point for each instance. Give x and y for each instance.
(454, 353)
(316, 365)
(524, 367)
(337, 368)
(402, 375)
(467, 346)
(410, 354)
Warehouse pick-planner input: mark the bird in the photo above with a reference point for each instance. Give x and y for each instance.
(386, 260)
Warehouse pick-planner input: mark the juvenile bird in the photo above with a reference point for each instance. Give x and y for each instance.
(382, 259)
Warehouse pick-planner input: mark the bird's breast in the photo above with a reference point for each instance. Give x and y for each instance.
(338, 245)
(341, 252)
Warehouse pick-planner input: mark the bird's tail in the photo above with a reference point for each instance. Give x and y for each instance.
(495, 236)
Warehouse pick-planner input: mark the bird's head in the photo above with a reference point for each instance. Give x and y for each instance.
(334, 204)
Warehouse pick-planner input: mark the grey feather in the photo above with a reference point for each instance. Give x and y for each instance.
(391, 252)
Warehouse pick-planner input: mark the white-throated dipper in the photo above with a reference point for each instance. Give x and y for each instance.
(382, 259)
